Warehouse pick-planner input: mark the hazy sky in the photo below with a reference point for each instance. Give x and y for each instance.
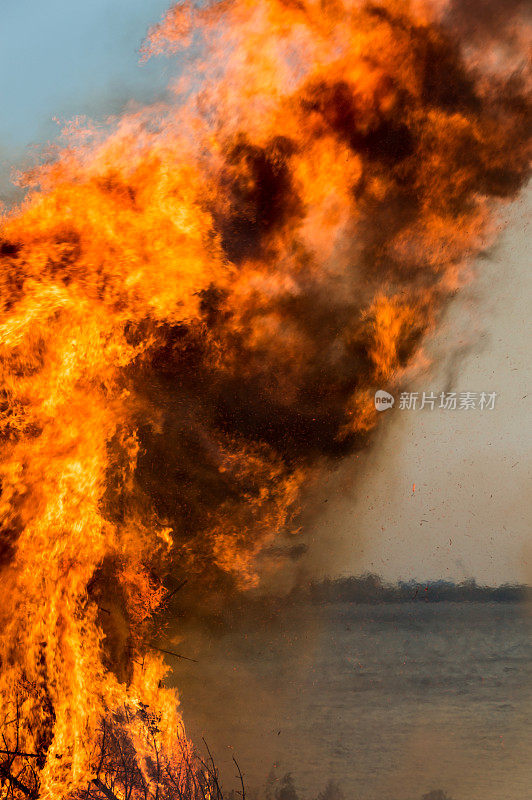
(468, 515)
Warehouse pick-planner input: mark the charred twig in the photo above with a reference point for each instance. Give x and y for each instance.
(175, 591)
(212, 772)
(25, 781)
(171, 653)
(241, 778)
(6, 772)
(103, 789)
(190, 771)
(102, 753)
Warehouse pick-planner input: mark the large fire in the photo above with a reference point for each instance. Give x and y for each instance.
(198, 302)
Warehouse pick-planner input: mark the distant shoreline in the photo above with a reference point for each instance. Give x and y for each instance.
(371, 589)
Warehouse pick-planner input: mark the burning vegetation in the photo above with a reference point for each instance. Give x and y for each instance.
(198, 303)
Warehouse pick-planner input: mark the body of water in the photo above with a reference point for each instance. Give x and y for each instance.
(390, 701)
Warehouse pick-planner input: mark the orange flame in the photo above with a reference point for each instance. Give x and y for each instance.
(196, 308)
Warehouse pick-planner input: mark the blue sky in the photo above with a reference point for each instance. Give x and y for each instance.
(62, 59)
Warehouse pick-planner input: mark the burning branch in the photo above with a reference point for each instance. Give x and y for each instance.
(18, 773)
(119, 776)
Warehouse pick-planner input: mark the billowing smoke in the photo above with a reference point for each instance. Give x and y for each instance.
(197, 307)
(500, 24)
